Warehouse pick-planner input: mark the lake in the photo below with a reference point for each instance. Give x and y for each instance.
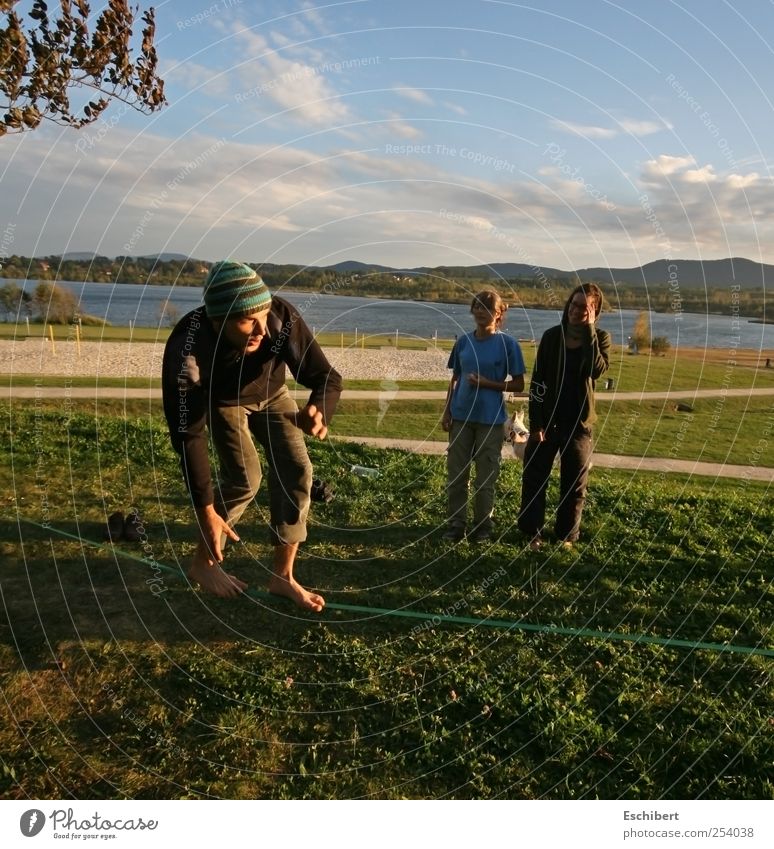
(144, 306)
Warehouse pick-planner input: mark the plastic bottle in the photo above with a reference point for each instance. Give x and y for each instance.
(364, 472)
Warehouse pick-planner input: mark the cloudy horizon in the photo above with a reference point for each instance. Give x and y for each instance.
(420, 135)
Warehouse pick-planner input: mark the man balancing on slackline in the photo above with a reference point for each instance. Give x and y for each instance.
(224, 371)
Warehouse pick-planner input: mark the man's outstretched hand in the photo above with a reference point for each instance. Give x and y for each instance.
(310, 420)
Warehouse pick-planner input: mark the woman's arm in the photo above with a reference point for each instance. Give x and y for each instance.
(515, 384)
(600, 352)
(537, 390)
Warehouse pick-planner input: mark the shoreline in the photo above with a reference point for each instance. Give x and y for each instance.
(513, 299)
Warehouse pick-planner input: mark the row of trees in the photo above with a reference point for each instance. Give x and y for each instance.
(101, 269)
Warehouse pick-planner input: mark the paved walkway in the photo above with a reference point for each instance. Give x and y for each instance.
(610, 461)
(605, 461)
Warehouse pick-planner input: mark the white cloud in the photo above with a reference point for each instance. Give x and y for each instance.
(626, 126)
(398, 127)
(301, 89)
(587, 131)
(280, 39)
(690, 207)
(415, 94)
(312, 16)
(700, 175)
(212, 196)
(643, 128)
(197, 77)
(664, 165)
(746, 181)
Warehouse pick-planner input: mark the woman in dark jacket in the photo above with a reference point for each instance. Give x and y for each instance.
(570, 358)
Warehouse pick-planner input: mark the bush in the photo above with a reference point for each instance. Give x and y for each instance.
(660, 345)
(641, 331)
(53, 304)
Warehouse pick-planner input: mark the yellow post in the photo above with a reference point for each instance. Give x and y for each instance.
(362, 341)
(51, 337)
(342, 341)
(78, 338)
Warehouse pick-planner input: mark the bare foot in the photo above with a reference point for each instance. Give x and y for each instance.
(211, 578)
(296, 593)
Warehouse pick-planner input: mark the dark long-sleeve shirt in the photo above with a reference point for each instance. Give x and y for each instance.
(200, 369)
(547, 376)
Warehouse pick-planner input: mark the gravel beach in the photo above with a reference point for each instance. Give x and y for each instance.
(37, 357)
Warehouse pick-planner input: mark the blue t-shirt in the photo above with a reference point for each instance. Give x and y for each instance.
(497, 357)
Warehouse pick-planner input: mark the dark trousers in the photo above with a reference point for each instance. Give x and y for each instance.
(574, 451)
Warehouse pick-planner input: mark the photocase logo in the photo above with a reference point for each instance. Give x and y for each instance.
(32, 822)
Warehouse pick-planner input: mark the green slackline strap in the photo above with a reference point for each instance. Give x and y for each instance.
(439, 618)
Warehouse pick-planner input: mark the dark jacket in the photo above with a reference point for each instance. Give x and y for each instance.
(547, 375)
(201, 369)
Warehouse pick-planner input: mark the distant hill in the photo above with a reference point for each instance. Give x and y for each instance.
(495, 270)
(353, 267)
(80, 256)
(687, 273)
(166, 257)
(89, 256)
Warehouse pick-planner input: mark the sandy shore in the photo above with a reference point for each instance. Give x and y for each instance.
(143, 359)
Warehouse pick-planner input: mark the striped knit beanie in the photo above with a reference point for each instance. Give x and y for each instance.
(234, 290)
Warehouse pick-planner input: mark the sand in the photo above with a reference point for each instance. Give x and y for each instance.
(38, 357)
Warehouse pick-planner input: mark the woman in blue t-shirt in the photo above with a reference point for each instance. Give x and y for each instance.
(485, 364)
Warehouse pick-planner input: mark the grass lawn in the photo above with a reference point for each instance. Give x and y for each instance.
(119, 681)
(110, 333)
(718, 430)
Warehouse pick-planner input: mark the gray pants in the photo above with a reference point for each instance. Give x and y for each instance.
(482, 444)
(290, 472)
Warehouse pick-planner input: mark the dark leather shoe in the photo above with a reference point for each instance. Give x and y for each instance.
(114, 528)
(454, 534)
(480, 535)
(132, 524)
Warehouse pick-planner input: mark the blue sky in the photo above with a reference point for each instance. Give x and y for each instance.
(554, 133)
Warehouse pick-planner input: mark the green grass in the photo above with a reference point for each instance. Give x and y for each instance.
(708, 370)
(9, 380)
(99, 333)
(721, 430)
(111, 333)
(119, 681)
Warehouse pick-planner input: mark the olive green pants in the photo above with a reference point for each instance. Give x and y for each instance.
(233, 430)
(470, 444)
